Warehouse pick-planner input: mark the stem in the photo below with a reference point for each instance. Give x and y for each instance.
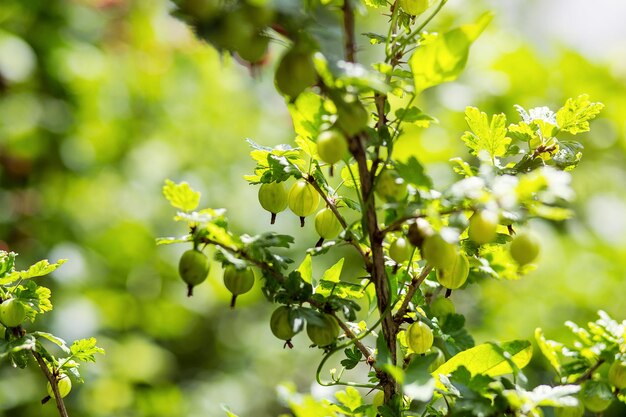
(53, 383)
(366, 353)
(589, 373)
(413, 286)
(348, 25)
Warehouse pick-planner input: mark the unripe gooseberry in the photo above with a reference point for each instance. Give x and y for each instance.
(524, 248)
(454, 274)
(325, 333)
(379, 399)
(295, 72)
(439, 360)
(281, 325)
(441, 307)
(352, 117)
(400, 250)
(64, 384)
(12, 312)
(326, 224)
(238, 281)
(193, 268)
(303, 200)
(483, 226)
(437, 252)
(414, 7)
(390, 186)
(419, 337)
(273, 198)
(617, 374)
(596, 395)
(332, 146)
(575, 411)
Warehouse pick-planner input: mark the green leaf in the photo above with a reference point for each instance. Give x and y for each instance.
(350, 398)
(568, 156)
(23, 343)
(487, 359)
(306, 269)
(375, 3)
(181, 196)
(412, 171)
(486, 136)
(228, 412)
(333, 273)
(574, 117)
(416, 116)
(39, 269)
(340, 289)
(443, 57)
(85, 349)
(35, 297)
(549, 349)
(307, 114)
(54, 339)
(418, 382)
(7, 262)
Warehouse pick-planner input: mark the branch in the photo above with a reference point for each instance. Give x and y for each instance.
(413, 286)
(348, 30)
(53, 383)
(589, 373)
(366, 353)
(330, 203)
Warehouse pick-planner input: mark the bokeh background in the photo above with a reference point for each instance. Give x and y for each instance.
(102, 100)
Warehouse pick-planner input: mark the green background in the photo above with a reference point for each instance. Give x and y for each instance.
(102, 100)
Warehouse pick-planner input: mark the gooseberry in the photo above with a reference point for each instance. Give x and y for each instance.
(238, 281)
(325, 333)
(332, 146)
(390, 186)
(596, 395)
(281, 325)
(326, 223)
(617, 374)
(441, 307)
(12, 312)
(193, 268)
(483, 227)
(273, 198)
(454, 274)
(400, 250)
(439, 360)
(524, 248)
(64, 384)
(352, 117)
(303, 199)
(419, 337)
(414, 7)
(437, 252)
(295, 72)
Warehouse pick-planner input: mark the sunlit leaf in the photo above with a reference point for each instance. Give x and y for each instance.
(181, 196)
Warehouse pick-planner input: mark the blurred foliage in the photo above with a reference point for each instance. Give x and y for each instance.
(100, 100)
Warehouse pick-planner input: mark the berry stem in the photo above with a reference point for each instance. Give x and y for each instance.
(301, 221)
(319, 242)
(233, 300)
(189, 290)
(331, 170)
(273, 218)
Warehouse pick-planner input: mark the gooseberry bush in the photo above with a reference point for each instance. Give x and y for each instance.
(22, 301)
(415, 242)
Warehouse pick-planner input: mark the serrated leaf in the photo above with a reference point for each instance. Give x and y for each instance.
(413, 172)
(307, 114)
(39, 269)
(350, 398)
(574, 117)
(172, 240)
(7, 262)
(416, 116)
(339, 289)
(486, 136)
(85, 349)
(487, 359)
(181, 196)
(26, 342)
(549, 349)
(375, 3)
(443, 57)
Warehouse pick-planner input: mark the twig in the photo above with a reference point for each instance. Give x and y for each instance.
(366, 353)
(53, 383)
(589, 373)
(413, 286)
(348, 30)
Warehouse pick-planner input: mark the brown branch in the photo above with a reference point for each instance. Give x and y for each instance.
(589, 373)
(413, 286)
(366, 353)
(53, 383)
(341, 219)
(348, 30)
